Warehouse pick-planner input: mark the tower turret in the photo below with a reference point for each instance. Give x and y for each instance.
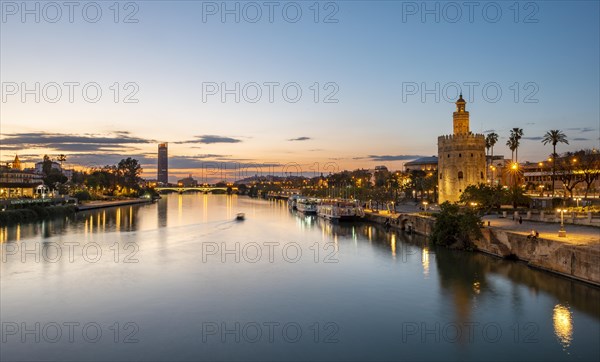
(461, 117)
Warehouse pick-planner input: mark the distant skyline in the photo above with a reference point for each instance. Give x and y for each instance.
(387, 79)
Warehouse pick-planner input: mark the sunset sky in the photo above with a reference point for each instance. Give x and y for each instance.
(367, 55)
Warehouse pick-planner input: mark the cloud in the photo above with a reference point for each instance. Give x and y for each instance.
(581, 129)
(208, 139)
(393, 158)
(489, 131)
(533, 138)
(117, 141)
(580, 139)
(303, 138)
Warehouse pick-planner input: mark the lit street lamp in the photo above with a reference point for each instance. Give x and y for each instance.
(562, 232)
(577, 199)
(425, 203)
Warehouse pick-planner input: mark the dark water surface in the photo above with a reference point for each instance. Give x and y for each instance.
(180, 280)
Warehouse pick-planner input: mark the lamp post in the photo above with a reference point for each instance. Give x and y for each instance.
(425, 203)
(562, 232)
(578, 199)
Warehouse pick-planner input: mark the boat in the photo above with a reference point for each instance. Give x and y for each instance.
(307, 206)
(240, 216)
(340, 210)
(292, 201)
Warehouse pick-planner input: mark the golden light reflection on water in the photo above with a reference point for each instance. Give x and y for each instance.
(3, 235)
(563, 325)
(476, 287)
(118, 221)
(393, 245)
(425, 261)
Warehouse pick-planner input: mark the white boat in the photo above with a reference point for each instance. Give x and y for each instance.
(340, 210)
(307, 206)
(292, 201)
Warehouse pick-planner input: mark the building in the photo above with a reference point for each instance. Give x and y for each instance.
(187, 182)
(39, 167)
(163, 164)
(15, 183)
(422, 164)
(461, 157)
(16, 164)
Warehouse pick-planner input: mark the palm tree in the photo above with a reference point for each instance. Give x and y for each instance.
(554, 136)
(512, 145)
(516, 133)
(490, 141)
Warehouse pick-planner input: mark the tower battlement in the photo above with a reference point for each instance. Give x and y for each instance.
(461, 157)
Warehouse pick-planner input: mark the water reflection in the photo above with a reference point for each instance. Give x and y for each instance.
(400, 277)
(563, 325)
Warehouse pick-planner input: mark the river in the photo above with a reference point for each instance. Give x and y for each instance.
(181, 280)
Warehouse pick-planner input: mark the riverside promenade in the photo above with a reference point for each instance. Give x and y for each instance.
(576, 234)
(102, 204)
(576, 256)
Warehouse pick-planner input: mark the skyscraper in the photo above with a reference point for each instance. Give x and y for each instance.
(163, 163)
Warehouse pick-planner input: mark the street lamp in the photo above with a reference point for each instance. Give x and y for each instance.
(562, 232)
(577, 199)
(425, 203)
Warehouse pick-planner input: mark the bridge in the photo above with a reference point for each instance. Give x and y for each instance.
(204, 189)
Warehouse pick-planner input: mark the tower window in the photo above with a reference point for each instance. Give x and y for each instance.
(441, 175)
(471, 155)
(448, 155)
(459, 155)
(482, 175)
(460, 175)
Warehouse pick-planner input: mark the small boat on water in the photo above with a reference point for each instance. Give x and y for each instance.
(293, 201)
(307, 206)
(240, 216)
(340, 210)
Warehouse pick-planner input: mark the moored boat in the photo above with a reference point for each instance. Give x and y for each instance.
(307, 206)
(293, 201)
(340, 210)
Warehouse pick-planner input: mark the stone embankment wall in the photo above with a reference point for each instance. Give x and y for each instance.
(581, 262)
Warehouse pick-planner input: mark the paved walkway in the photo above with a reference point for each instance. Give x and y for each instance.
(576, 234)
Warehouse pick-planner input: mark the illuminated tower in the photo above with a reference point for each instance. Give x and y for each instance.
(461, 157)
(163, 163)
(16, 163)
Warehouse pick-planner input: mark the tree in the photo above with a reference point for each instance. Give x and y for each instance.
(129, 171)
(554, 137)
(512, 146)
(455, 227)
(516, 196)
(46, 165)
(589, 166)
(566, 172)
(516, 134)
(485, 196)
(61, 158)
(490, 140)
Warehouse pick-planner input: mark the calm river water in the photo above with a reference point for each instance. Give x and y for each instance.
(180, 280)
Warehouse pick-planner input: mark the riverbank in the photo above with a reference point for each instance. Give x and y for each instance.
(92, 205)
(577, 256)
(35, 213)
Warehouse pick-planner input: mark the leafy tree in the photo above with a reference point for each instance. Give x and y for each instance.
(486, 197)
(129, 171)
(516, 196)
(589, 166)
(455, 227)
(516, 134)
(554, 137)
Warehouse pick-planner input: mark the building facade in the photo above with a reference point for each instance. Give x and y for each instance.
(163, 164)
(461, 157)
(422, 164)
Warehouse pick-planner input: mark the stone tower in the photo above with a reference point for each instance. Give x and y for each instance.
(16, 164)
(461, 157)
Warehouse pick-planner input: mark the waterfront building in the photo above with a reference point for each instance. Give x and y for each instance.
(461, 157)
(15, 183)
(163, 164)
(422, 164)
